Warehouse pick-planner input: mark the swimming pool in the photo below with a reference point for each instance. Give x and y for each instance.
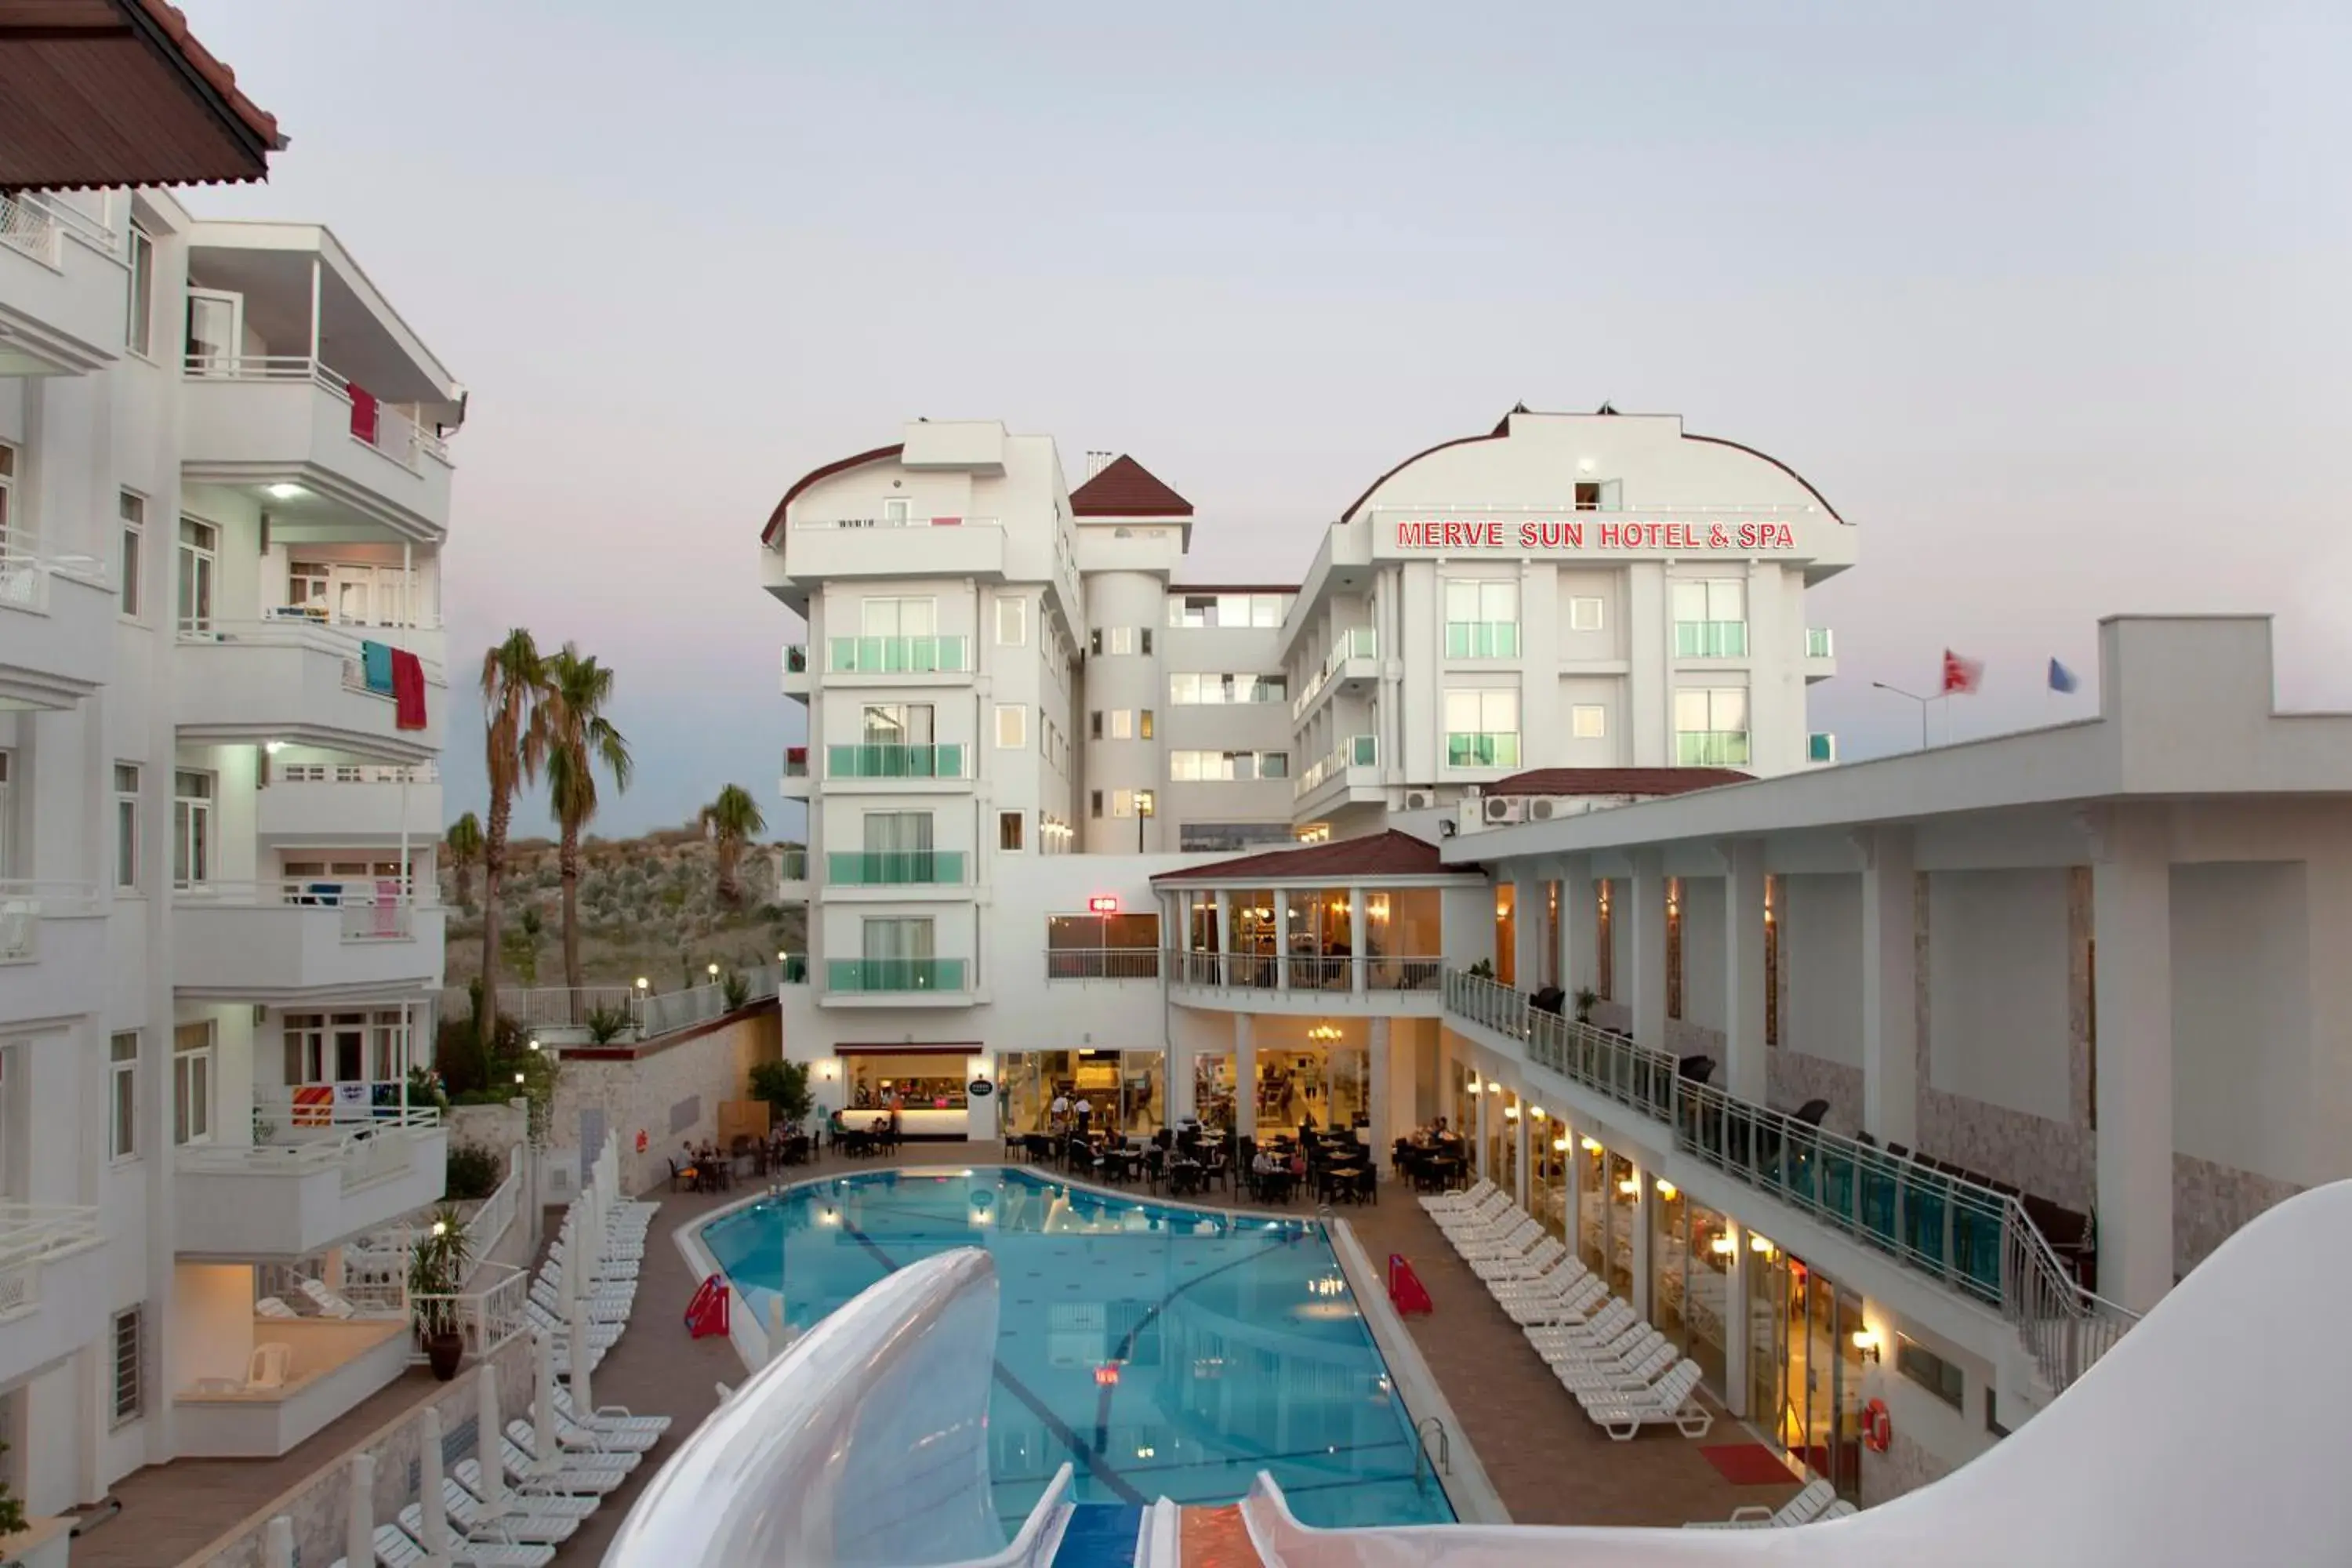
(1161, 1350)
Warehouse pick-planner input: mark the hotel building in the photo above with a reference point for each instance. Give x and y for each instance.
(225, 485)
(1508, 812)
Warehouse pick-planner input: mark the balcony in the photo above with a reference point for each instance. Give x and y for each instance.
(320, 1176)
(900, 978)
(303, 941)
(61, 286)
(793, 783)
(53, 1286)
(1710, 639)
(794, 673)
(1820, 654)
(815, 549)
(1467, 749)
(1102, 964)
(1353, 659)
(52, 951)
(895, 868)
(348, 804)
(293, 677)
(1307, 983)
(898, 656)
(1821, 748)
(57, 623)
(289, 420)
(1711, 747)
(791, 868)
(1356, 763)
(1482, 639)
(889, 761)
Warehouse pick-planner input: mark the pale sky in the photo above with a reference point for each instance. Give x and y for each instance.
(2050, 300)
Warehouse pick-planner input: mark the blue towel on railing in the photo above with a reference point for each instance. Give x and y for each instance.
(375, 658)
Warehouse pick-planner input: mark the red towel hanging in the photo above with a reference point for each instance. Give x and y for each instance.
(407, 689)
(363, 411)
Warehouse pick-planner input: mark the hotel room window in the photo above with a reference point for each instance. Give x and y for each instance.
(1012, 621)
(1011, 727)
(133, 511)
(1711, 618)
(1482, 729)
(1588, 722)
(1481, 618)
(1586, 614)
(1711, 727)
(1008, 831)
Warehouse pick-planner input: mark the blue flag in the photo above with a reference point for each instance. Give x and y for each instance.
(2060, 677)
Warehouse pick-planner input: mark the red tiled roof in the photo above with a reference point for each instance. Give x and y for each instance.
(119, 93)
(1127, 488)
(1615, 781)
(1390, 854)
(839, 465)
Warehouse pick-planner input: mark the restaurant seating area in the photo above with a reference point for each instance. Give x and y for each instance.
(1331, 1167)
(1622, 1371)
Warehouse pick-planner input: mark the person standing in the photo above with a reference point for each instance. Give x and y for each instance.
(1060, 1111)
(1083, 1110)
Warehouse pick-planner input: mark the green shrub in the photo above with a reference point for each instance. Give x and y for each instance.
(606, 1024)
(474, 1173)
(784, 1085)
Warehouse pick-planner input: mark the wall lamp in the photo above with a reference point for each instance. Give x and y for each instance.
(1867, 1343)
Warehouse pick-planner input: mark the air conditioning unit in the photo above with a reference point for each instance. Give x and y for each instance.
(1502, 808)
(1419, 800)
(1545, 810)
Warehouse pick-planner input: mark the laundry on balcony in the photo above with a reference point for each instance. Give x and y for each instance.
(363, 413)
(376, 661)
(407, 689)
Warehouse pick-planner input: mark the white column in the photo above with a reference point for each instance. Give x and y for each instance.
(1244, 1078)
(1520, 1145)
(1380, 1090)
(1178, 1066)
(1571, 1180)
(1526, 933)
(1890, 992)
(2131, 920)
(316, 285)
(1225, 943)
(1281, 939)
(1577, 924)
(1485, 1099)
(1737, 1334)
(1639, 1297)
(1743, 968)
(1358, 961)
(1648, 980)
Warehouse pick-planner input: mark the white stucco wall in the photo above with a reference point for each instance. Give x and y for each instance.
(1822, 934)
(1703, 967)
(2241, 1037)
(1996, 988)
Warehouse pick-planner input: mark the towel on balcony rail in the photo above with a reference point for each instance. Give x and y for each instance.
(407, 689)
(363, 412)
(376, 661)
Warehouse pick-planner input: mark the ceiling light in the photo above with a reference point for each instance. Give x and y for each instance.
(285, 493)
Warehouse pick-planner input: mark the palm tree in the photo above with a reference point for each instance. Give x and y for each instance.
(522, 944)
(730, 820)
(579, 738)
(464, 847)
(514, 689)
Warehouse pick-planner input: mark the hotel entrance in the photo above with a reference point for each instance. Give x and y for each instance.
(1122, 1089)
(1806, 1373)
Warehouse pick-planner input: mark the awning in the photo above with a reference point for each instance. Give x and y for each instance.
(969, 1049)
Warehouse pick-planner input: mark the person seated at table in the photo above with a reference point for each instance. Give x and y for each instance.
(1297, 1163)
(1265, 1164)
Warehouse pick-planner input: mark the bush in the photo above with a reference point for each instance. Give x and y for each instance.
(606, 1024)
(735, 989)
(786, 1087)
(474, 1173)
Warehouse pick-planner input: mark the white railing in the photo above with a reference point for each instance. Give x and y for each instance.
(24, 574)
(792, 865)
(485, 1227)
(369, 1145)
(396, 437)
(1358, 642)
(1308, 972)
(668, 1010)
(1355, 751)
(370, 910)
(30, 1234)
(28, 225)
(23, 904)
(316, 615)
(1102, 964)
(544, 1006)
(487, 1315)
(295, 628)
(381, 775)
(841, 523)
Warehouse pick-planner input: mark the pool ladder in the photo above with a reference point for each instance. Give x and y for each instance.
(1442, 1462)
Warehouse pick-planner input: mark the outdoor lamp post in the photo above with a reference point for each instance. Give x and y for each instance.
(1143, 808)
(1915, 697)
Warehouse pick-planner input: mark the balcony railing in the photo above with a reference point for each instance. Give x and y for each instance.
(791, 968)
(1355, 751)
(493, 1312)
(375, 909)
(875, 760)
(1307, 972)
(1711, 747)
(1710, 639)
(871, 975)
(795, 659)
(895, 868)
(1972, 1238)
(1495, 749)
(25, 571)
(1821, 747)
(31, 1234)
(899, 656)
(1819, 643)
(796, 761)
(294, 627)
(367, 1147)
(1482, 639)
(24, 904)
(1358, 642)
(792, 865)
(374, 423)
(820, 524)
(27, 224)
(1102, 964)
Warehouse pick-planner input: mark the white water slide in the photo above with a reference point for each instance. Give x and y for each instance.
(2211, 1434)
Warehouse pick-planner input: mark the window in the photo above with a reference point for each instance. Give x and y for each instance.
(1095, 725)
(199, 554)
(1711, 727)
(1008, 831)
(1144, 638)
(1481, 619)
(345, 1048)
(897, 617)
(133, 509)
(1096, 805)
(1011, 727)
(1235, 837)
(1482, 729)
(1929, 1371)
(139, 330)
(1122, 640)
(1144, 724)
(1711, 618)
(122, 1097)
(192, 829)
(1122, 802)
(1122, 724)
(306, 586)
(1588, 722)
(1212, 690)
(8, 495)
(1012, 621)
(1095, 642)
(129, 1365)
(897, 724)
(1585, 614)
(1204, 610)
(1587, 495)
(192, 1084)
(1214, 767)
(126, 826)
(896, 509)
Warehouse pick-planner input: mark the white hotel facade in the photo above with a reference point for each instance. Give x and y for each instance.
(1838, 1122)
(225, 485)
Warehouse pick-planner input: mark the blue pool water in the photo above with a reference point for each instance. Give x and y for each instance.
(1161, 1350)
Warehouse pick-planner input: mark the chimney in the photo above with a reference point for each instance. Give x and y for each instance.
(1098, 461)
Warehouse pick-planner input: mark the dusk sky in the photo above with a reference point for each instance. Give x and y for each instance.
(2050, 302)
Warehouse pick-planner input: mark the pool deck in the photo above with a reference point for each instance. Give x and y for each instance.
(1550, 1465)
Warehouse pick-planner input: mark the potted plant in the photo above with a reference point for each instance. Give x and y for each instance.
(784, 1085)
(1587, 998)
(437, 1268)
(1482, 970)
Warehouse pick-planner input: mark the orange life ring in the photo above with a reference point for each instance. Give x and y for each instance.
(1877, 1426)
(641, 1139)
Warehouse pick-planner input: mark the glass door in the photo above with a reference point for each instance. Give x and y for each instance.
(215, 331)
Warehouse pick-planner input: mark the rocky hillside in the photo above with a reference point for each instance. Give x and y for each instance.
(648, 906)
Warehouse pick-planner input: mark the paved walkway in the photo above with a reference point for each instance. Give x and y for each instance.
(1549, 1464)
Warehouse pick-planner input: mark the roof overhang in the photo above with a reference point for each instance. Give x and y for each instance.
(110, 93)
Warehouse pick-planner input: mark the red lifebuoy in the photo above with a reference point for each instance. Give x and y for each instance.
(1877, 1426)
(641, 1139)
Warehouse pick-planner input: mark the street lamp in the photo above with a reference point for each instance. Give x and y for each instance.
(1915, 697)
(1143, 807)
(714, 971)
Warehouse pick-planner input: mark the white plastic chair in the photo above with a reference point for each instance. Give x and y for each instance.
(268, 1367)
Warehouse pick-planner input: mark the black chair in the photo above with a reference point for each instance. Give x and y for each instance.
(1812, 1112)
(1696, 1068)
(1551, 999)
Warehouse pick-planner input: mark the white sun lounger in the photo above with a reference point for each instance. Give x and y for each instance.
(466, 1519)
(1669, 1402)
(533, 1493)
(1803, 1509)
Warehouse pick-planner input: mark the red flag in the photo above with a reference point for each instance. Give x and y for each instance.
(1961, 675)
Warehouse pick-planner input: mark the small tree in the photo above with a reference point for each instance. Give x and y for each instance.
(784, 1085)
(734, 989)
(1586, 997)
(464, 847)
(436, 1269)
